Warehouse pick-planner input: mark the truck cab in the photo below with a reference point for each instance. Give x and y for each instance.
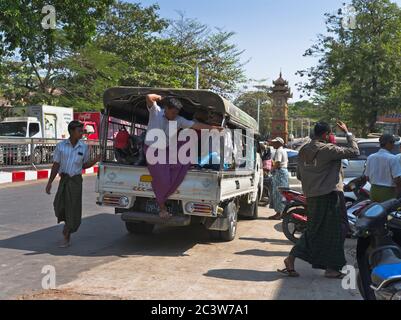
(213, 196)
(20, 127)
(40, 122)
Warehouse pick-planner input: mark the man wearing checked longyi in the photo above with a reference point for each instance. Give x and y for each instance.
(70, 157)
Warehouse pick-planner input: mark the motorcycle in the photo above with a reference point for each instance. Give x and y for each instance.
(378, 230)
(295, 213)
(294, 216)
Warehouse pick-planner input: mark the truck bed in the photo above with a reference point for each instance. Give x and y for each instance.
(206, 185)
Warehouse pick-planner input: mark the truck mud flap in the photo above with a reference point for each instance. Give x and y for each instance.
(216, 224)
(175, 221)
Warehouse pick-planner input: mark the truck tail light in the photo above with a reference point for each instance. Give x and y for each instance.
(200, 208)
(113, 201)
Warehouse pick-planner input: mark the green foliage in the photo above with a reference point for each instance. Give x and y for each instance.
(248, 102)
(219, 60)
(31, 53)
(358, 75)
(102, 43)
(92, 69)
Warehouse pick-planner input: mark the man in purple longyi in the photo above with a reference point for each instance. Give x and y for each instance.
(167, 176)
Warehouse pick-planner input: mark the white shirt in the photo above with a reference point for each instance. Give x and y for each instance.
(158, 120)
(281, 156)
(71, 159)
(382, 168)
(230, 148)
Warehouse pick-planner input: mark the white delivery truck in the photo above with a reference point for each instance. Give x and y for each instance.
(213, 196)
(40, 122)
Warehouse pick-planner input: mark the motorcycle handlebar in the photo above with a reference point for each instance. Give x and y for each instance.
(391, 205)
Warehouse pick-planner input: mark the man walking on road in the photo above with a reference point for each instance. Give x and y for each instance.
(319, 168)
(383, 170)
(70, 157)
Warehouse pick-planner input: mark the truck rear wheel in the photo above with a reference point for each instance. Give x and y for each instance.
(231, 212)
(249, 210)
(139, 228)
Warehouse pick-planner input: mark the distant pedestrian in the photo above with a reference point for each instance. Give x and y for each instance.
(322, 244)
(383, 170)
(280, 177)
(70, 157)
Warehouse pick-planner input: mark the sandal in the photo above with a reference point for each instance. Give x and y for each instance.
(289, 273)
(339, 276)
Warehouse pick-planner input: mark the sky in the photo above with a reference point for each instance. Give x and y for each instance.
(274, 33)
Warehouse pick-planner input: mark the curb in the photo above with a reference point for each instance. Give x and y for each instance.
(21, 176)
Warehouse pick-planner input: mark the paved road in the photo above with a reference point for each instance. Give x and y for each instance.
(180, 263)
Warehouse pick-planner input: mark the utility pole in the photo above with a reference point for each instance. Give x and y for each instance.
(197, 76)
(302, 128)
(292, 127)
(259, 112)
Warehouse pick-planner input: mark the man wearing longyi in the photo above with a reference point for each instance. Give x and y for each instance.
(167, 177)
(70, 157)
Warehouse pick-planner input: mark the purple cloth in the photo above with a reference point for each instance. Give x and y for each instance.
(166, 178)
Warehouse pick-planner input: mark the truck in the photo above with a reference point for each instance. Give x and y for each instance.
(92, 120)
(39, 122)
(213, 197)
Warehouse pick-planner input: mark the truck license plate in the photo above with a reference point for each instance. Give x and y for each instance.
(152, 207)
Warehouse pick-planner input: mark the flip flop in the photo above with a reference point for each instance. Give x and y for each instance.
(275, 218)
(65, 245)
(339, 276)
(289, 273)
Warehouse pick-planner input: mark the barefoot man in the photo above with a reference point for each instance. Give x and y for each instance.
(70, 157)
(166, 178)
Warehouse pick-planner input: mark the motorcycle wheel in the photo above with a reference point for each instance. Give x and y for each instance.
(292, 228)
(363, 277)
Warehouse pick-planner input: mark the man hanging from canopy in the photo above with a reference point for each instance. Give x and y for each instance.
(168, 176)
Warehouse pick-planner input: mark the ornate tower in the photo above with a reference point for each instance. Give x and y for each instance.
(280, 95)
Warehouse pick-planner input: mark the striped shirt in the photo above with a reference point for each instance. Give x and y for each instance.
(71, 159)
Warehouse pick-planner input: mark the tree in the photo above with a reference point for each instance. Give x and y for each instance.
(88, 73)
(36, 50)
(134, 33)
(248, 102)
(358, 74)
(219, 60)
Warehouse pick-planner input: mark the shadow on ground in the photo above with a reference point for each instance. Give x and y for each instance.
(105, 235)
(263, 253)
(266, 240)
(243, 275)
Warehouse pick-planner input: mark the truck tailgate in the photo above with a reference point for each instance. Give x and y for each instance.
(136, 181)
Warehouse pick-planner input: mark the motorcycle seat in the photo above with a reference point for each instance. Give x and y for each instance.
(285, 189)
(385, 272)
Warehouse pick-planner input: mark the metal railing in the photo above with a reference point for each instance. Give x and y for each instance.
(33, 153)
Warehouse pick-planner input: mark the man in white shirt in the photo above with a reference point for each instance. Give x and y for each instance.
(166, 177)
(280, 176)
(383, 170)
(70, 157)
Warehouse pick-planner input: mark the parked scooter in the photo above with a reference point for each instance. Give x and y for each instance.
(379, 251)
(294, 215)
(295, 212)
